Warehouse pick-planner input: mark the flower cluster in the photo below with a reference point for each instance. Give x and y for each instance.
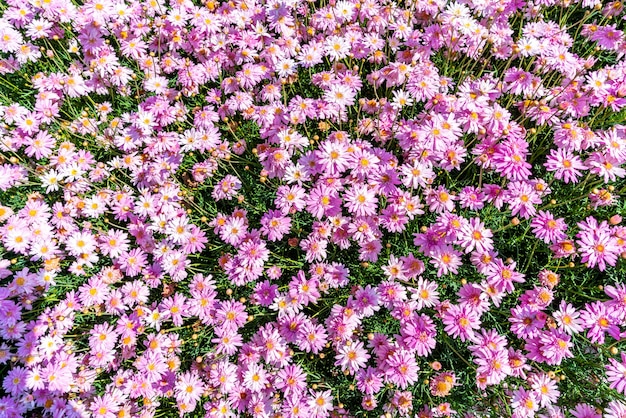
(338, 164)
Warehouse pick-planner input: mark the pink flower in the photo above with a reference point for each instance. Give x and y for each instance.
(474, 235)
(493, 364)
(290, 198)
(583, 410)
(402, 369)
(565, 165)
(370, 250)
(226, 188)
(446, 259)
(227, 341)
(524, 403)
(504, 277)
(133, 262)
(472, 198)
(14, 382)
(473, 295)
(189, 388)
(510, 159)
(255, 378)
(413, 266)
(527, 321)
(440, 200)
(231, 314)
(418, 334)
(394, 268)
(418, 174)
(103, 337)
(275, 225)
(597, 247)
(461, 321)
(360, 200)
(94, 292)
(567, 318)
(291, 379)
(366, 301)
(548, 229)
(521, 197)
(352, 356)
(332, 158)
(104, 406)
(312, 337)
(549, 347)
(615, 409)
(368, 380)
(323, 200)
(545, 389)
(598, 319)
(403, 401)
(233, 230)
(320, 404)
(608, 167)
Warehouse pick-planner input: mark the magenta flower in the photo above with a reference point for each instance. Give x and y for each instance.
(460, 322)
(418, 334)
(446, 259)
(291, 380)
(275, 225)
(189, 388)
(352, 357)
(548, 229)
(521, 197)
(565, 165)
(360, 200)
(524, 403)
(369, 380)
(599, 319)
(440, 200)
(597, 248)
(402, 369)
(509, 160)
(504, 277)
(320, 404)
(474, 235)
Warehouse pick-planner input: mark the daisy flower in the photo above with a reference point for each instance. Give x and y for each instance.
(597, 248)
(565, 165)
(425, 294)
(545, 389)
(312, 337)
(446, 259)
(320, 404)
(548, 229)
(275, 225)
(524, 402)
(255, 377)
(474, 235)
(440, 200)
(394, 268)
(567, 318)
(188, 388)
(368, 380)
(360, 200)
(521, 197)
(598, 319)
(402, 369)
(461, 321)
(352, 356)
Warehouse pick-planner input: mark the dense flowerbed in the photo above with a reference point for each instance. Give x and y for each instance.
(295, 208)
